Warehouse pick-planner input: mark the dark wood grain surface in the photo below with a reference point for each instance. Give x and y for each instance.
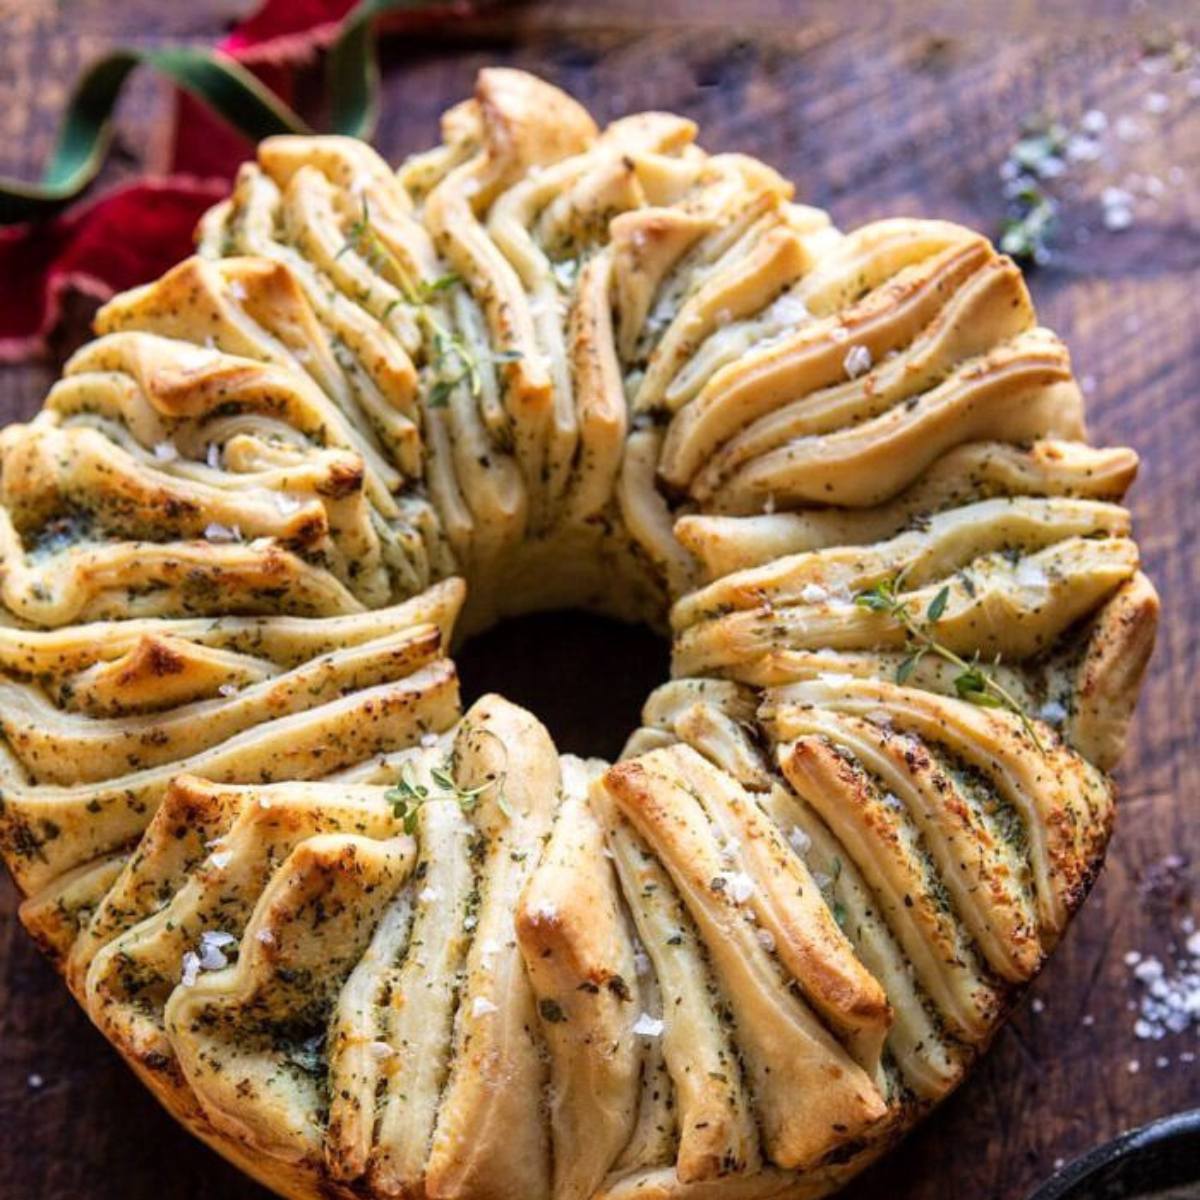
(874, 110)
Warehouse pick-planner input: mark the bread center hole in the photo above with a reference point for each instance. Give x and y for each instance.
(584, 677)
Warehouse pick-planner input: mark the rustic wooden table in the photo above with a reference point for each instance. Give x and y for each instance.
(874, 110)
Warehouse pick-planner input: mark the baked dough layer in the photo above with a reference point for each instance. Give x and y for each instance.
(365, 944)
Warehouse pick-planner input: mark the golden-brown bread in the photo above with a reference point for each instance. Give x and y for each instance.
(365, 945)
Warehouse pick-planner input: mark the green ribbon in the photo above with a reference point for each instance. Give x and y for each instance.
(218, 81)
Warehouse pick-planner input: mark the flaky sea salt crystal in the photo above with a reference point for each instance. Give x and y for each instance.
(213, 944)
(799, 840)
(739, 887)
(729, 849)
(190, 968)
(481, 1006)
(648, 1026)
(1031, 574)
(220, 534)
(789, 309)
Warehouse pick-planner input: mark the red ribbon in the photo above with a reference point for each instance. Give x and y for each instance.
(133, 233)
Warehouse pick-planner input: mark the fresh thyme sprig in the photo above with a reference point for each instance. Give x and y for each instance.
(452, 360)
(974, 682)
(407, 796)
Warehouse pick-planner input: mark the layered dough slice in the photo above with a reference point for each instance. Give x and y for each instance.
(98, 719)
(920, 338)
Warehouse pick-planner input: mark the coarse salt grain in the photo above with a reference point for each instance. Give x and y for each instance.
(190, 971)
(380, 1051)
(212, 949)
(1117, 205)
(1032, 575)
(228, 689)
(237, 289)
(287, 504)
(1081, 148)
(212, 456)
(35, 1081)
(1038, 1005)
(857, 361)
(738, 886)
(427, 895)
(1128, 130)
(214, 531)
(221, 859)
(166, 451)
(265, 937)
(813, 593)
(648, 1026)
(799, 840)
(1053, 712)
(790, 310)
(481, 1006)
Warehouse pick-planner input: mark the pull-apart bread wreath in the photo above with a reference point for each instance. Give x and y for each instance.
(366, 945)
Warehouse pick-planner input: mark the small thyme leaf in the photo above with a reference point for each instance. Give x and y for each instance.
(906, 668)
(407, 796)
(937, 605)
(452, 361)
(973, 683)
